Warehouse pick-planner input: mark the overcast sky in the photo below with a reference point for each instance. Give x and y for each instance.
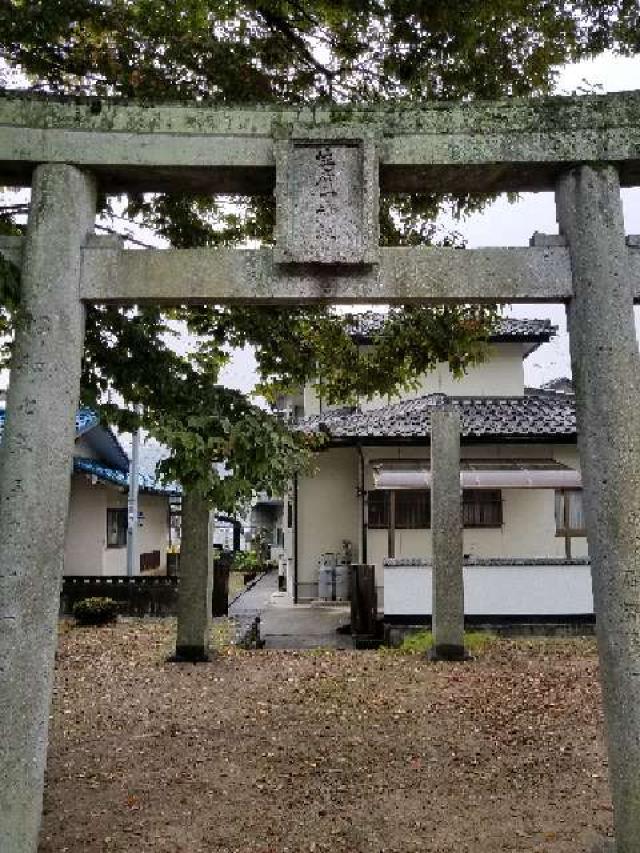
(506, 224)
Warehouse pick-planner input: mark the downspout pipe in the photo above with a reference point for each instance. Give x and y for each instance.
(363, 510)
(295, 539)
(133, 562)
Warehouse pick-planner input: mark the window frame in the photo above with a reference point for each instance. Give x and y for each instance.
(496, 502)
(401, 523)
(372, 496)
(563, 532)
(122, 530)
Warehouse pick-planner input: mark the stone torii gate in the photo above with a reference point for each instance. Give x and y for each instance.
(328, 167)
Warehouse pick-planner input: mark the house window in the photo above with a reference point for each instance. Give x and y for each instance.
(570, 513)
(116, 528)
(413, 509)
(482, 508)
(289, 515)
(378, 505)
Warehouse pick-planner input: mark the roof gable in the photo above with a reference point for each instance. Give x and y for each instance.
(100, 439)
(111, 464)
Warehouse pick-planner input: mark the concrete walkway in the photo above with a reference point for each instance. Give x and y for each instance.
(302, 626)
(292, 626)
(254, 600)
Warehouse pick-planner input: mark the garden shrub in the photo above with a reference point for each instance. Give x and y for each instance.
(245, 561)
(95, 611)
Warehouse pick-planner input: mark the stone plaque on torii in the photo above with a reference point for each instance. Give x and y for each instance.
(327, 167)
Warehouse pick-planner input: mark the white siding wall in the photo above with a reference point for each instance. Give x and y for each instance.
(328, 512)
(86, 551)
(502, 374)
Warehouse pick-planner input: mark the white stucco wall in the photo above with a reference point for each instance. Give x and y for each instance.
(86, 528)
(502, 373)
(528, 529)
(328, 512)
(86, 549)
(519, 590)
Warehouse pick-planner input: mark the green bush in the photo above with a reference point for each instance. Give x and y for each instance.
(95, 611)
(245, 561)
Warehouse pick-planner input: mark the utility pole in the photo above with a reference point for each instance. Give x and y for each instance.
(133, 565)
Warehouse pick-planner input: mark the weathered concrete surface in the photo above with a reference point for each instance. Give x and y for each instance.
(196, 580)
(606, 372)
(404, 275)
(446, 532)
(327, 195)
(300, 626)
(35, 470)
(11, 249)
(517, 144)
(541, 273)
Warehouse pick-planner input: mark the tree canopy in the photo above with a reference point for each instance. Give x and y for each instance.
(288, 51)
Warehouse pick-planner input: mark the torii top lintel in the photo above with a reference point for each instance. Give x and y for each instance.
(510, 145)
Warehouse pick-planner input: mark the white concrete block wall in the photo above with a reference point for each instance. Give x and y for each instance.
(516, 590)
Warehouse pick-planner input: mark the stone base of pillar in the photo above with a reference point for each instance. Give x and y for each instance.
(190, 654)
(606, 845)
(448, 653)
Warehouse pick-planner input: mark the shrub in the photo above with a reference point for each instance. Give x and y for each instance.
(245, 561)
(95, 611)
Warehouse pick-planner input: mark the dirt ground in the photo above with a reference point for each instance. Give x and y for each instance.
(279, 752)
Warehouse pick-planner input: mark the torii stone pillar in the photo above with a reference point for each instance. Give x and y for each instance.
(195, 585)
(606, 371)
(37, 449)
(446, 532)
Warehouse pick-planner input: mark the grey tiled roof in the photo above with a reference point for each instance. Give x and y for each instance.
(531, 417)
(507, 329)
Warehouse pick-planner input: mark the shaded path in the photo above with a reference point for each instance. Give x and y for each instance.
(291, 626)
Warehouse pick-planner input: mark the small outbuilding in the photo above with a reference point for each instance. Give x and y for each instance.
(96, 538)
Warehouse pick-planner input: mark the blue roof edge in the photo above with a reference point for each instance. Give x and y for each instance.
(146, 483)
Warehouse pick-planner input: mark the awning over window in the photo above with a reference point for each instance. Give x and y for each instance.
(479, 474)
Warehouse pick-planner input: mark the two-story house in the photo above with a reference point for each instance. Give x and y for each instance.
(524, 537)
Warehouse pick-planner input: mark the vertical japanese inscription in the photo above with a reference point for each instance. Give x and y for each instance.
(326, 209)
(327, 196)
(326, 192)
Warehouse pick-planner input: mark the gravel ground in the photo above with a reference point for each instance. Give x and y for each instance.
(349, 752)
